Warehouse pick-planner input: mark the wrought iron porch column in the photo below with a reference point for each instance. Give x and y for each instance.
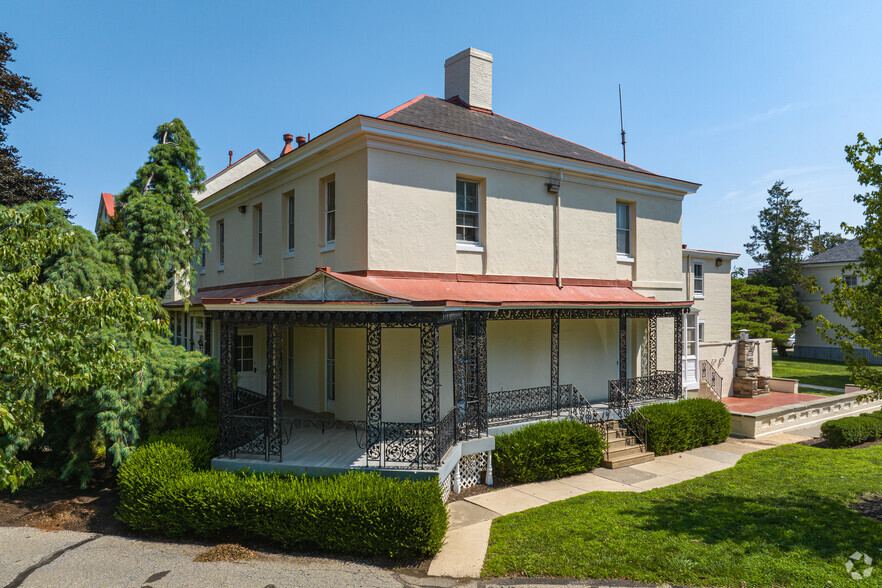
(652, 346)
(430, 387)
(623, 346)
(273, 388)
(678, 351)
(459, 378)
(555, 361)
(373, 410)
(227, 383)
(476, 391)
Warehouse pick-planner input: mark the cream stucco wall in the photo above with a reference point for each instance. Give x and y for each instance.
(305, 185)
(412, 219)
(715, 305)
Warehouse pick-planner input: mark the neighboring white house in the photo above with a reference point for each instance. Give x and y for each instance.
(392, 292)
(824, 267)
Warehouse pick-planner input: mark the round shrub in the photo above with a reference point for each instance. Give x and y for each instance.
(679, 426)
(547, 450)
(149, 469)
(853, 430)
(200, 442)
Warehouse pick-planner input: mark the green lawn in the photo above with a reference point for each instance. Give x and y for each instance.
(833, 374)
(778, 518)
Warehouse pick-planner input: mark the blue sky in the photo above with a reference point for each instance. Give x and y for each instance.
(731, 95)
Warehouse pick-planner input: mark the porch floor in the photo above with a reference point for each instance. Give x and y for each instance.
(772, 400)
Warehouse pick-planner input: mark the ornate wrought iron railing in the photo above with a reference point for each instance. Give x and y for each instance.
(513, 405)
(714, 380)
(662, 385)
(581, 410)
(620, 403)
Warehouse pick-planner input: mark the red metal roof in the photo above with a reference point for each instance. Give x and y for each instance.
(109, 203)
(417, 289)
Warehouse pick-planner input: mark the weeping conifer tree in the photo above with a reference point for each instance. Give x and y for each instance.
(158, 217)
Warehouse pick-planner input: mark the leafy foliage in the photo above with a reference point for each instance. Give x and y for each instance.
(853, 430)
(57, 348)
(547, 450)
(861, 305)
(678, 426)
(779, 242)
(825, 241)
(755, 308)
(200, 443)
(356, 513)
(19, 184)
(158, 216)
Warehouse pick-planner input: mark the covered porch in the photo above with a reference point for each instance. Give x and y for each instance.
(428, 384)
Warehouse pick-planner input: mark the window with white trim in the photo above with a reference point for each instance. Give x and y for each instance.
(330, 211)
(291, 222)
(691, 334)
(220, 245)
(244, 353)
(851, 280)
(698, 280)
(701, 331)
(623, 229)
(468, 211)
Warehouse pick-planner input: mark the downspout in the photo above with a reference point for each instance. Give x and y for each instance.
(557, 230)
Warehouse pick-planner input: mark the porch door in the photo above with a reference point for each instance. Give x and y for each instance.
(330, 368)
(251, 360)
(690, 352)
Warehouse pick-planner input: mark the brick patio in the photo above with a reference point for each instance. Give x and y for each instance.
(773, 400)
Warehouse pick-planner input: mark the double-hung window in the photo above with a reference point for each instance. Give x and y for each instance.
(330, 211)
(220, 245)
(623, 229)
(468, 213)
(291, 222)
(851, 280)
(698, 280)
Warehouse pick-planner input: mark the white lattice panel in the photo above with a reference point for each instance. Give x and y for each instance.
(445, 487)
(471, 468)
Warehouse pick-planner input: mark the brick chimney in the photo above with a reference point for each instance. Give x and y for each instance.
(468, 75)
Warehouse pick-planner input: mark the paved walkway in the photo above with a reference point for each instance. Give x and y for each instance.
(466, 543)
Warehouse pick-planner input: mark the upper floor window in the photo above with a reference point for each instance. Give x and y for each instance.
(701, 331)
(468, 214)
(623, 229)
(291, 222)
(330, 211)
(258, 230)
(220, 244)
(851, 280)
(698, 280)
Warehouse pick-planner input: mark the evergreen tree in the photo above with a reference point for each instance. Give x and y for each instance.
(779, 243)
(755, 308)
(19, 184)
(861, 304)
(825, 241)
(158, 216)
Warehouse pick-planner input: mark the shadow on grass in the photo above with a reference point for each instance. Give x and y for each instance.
(808, 522)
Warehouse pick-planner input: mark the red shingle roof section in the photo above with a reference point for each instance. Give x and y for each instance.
(109, 203)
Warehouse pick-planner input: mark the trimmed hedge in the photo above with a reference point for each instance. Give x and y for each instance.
(358, 513)
(853, 430)
(547, 450)
(200, 442)
(686, 424)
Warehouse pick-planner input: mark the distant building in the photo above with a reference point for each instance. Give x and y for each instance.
(824, 267)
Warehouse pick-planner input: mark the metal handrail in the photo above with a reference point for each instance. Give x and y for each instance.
(619, 402)
(586, 413)
(714, 380)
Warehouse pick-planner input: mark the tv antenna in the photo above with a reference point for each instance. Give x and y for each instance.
(622, 123)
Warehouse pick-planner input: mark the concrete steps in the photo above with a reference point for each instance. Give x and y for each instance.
(624, 450)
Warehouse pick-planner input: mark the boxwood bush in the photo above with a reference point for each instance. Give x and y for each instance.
(200, 442)
(853, 430)
(687, 424)
(358, 513)
(547, 450)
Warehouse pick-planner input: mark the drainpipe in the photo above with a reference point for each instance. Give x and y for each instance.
(554, 187)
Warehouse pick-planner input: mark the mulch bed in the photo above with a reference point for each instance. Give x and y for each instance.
(869, 505)
(227, 552)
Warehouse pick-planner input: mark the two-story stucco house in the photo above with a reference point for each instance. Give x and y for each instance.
(392, 292)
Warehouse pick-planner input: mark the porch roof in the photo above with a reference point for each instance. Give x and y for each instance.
(385, 288)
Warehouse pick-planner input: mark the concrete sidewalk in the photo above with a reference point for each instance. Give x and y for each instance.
(469, 532)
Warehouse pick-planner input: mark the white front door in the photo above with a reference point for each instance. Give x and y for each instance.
(690, 351)
(330, 369)
(251, 360)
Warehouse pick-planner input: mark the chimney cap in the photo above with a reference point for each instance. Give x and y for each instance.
(301, 140)
(288, 137)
